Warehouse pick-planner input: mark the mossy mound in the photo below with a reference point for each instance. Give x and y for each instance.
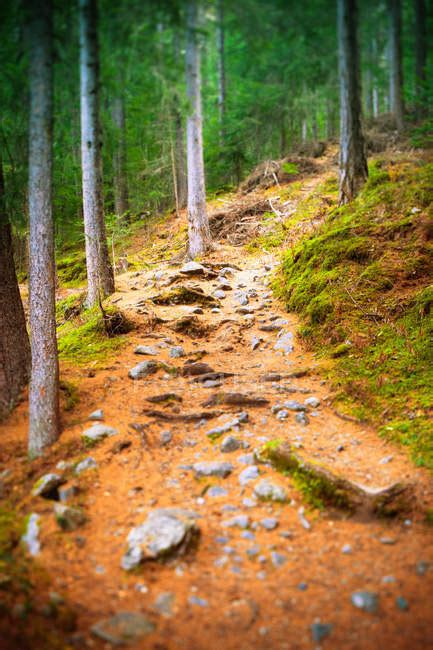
(71, 269)
(364, 286)
(184, 295)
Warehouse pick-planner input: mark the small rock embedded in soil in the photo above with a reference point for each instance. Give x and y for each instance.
(143, 369)
(320, 631)
(284, 342)
(96, 415)
(269, 523)
(146, 350)
(229, 444)
(220, 469)
(248, 474)
(269, 491)
(166, 531)
(48, 486)
(301, 418)
(123, 628)
(304, 522)
(87, 463)
(216, 491)
(165, 437)
(164, 604)
(366, 600)
(69, 518)
(196, 600)
(402, 603)
(177, 352)
(312, 402)
(98, 432)
(240, 521)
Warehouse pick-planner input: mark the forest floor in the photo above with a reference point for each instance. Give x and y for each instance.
(264, 574)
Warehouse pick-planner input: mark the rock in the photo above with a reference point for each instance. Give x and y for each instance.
(211, 376)
(278, 559)
(269, 523)
(67, 493)
(165, 437)
(98, 432)
(123, 628)
(164, 604)
(212, 468)
(194, 268)
(120, 446)
(69, 518)
(283, 414)
(402, 603)
(31, 535)
(87, 463)
(184, 295)
(48, 486)
(230, 443)
(301, 418)
(216, 432)
(216, 491)
(268, 491)
(220, 294)
(248, 474)
(245, 310)
(386, 460)
(422, 567)
(146, 350)
(166, 531)
(239, 521)
(178, 351)
(236, 399)
(274, 327)
(246, 459)
(255, 342)
(143, 369)
(312, 402)
(241, 298)
(347, 549)
(320, 631)
(365, 600)
(293, 405)
(196, 368)
(284, 342)
(96, 415)
(303, 520)
(196, 600)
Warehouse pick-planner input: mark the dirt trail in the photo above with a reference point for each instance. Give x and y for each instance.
(241, 588)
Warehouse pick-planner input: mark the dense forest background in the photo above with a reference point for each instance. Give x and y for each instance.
(269, 86)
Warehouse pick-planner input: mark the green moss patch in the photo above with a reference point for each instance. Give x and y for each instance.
(363, 284)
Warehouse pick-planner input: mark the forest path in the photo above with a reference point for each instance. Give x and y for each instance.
(263, 572)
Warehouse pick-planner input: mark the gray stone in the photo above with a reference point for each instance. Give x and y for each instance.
(68, 492)
(146, 350)
(216, 432)
(123, 628)
(196, 600)
(255, 342)
(366, 600)
(87, 463)
(212, 468)
(347, 549)
(165, 532)
(246, 459)
(194, 268)
(278, 559)
(239, 521)
(303, 520)
(269, 523)
(320, 631)
(143, 369)
(284, 342)
(301, 418)
(422, 567)
(248, 474)
(47, 486)
(293, 405)
(217, 491)
(165, 437)
(241, 298)
(270, 491)
(31, 535)
(402, 603)
(229, 444)
(69, 518)
(220, 294)
(386, 460)
(98, 432)
(312, 402)
(164, 604)
(283, 414)
(96, 415)
(176, 352)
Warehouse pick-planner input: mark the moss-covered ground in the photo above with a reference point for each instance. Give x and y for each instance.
(363, 284)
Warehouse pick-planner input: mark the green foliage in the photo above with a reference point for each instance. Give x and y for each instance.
(290, 168)
(347, 282)
(85, 340)
(71, 269)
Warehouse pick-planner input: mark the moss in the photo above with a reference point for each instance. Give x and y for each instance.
(71, 269)
(85, 339)
(184, 295)
(69, 307)
(367, 275)
(70, 394)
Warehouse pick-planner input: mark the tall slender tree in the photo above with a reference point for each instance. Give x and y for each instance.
(198, 224)
(14, 341)
(121, 203)
(395, 64)
(353, 162)
(100, 279)
(44, 382)
(420, 52)
(221, 69)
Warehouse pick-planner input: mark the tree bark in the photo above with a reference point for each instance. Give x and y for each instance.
(198, 223)
(353, 163)
(44, 382)
(181, 179)
(221, 70)
(14, 341)
(420, 53)
(100, 279)
(121, 202)
(395, 65)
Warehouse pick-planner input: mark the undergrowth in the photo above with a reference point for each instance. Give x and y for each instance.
(363, 285)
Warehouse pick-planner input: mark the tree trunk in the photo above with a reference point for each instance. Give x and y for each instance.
(100, 279)
(353, 163)
(14, 341)
(221, 69)
(198, 223)
(121, 203)
(44, 382)
(420, 53)
(304, 131)
(395, 66)
(179, 155)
